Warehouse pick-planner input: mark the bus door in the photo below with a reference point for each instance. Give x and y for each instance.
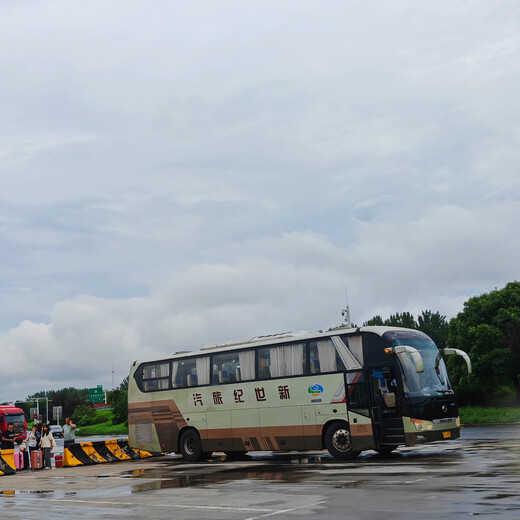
(357, 390)
(386, 416)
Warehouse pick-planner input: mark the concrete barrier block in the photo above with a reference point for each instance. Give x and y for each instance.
(101, 452)
(7, 466)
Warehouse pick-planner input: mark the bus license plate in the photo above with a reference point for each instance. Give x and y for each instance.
(446, 435)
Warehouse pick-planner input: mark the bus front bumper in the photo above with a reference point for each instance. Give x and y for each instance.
(420, 431)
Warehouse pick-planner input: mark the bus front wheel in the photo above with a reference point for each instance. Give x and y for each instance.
(385, 451)
(338, 442)
(191, 446)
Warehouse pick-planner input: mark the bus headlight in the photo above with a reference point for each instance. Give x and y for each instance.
(421, 425)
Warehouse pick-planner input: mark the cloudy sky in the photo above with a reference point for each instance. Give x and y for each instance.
(174, 174)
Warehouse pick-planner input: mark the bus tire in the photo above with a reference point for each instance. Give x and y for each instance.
(385, 451)
(235, 455)
(190, 446)
(338, 441)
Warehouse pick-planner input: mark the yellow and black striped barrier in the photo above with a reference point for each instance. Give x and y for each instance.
(7, 462)
(101, 452)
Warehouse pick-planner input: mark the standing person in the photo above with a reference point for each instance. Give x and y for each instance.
(8, 438)
(68, 432)
(33, 439)
(46, 443)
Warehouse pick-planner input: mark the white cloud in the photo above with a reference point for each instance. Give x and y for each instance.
(295, 281)
(179, 174)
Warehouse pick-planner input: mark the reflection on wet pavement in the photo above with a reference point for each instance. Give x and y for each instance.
(476, 475)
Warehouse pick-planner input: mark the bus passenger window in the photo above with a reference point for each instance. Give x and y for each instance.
(190, 372)
(226, 368)
(280, 361)
(156, 376)
(185, 368)
(324, 357)
(263, 364)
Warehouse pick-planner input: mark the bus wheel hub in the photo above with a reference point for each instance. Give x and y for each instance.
(341, 440)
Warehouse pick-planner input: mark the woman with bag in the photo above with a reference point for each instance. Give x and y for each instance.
(32, 441)
(46, 443)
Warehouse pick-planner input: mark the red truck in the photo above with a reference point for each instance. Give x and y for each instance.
(11, 414)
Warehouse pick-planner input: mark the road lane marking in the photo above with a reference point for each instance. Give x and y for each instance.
(183, 506)
(286, 510)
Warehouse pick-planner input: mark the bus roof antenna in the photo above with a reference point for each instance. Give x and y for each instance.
(346, 312)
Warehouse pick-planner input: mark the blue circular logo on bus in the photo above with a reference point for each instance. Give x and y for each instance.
(315, 389)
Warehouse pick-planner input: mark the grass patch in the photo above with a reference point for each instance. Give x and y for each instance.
(102, 426)
(106, 428)
(487, 415)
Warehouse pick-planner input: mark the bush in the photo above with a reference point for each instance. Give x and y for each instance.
(100, 419)
(83, 415)
(119, 401)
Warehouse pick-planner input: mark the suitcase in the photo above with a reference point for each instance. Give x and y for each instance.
(36, 459)
(18, 460)
(25, 459)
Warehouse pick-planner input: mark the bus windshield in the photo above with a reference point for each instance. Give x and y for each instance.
(434, 380)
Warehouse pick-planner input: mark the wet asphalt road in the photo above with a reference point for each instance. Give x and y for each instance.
(475, 476)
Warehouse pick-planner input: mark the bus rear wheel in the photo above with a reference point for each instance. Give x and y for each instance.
(191, 447)
(338, 442)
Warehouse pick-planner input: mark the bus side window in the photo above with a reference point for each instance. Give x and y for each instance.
(226, 368)
(282, 360)
(156, 376)
(186, 368)
(324, 357)
(263, 364)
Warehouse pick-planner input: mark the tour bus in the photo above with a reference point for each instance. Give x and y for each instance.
(344, 390)
(11, 414)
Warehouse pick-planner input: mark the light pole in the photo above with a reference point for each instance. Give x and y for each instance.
(37, 399)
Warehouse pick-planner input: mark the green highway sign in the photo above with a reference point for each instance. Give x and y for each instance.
(96, 394)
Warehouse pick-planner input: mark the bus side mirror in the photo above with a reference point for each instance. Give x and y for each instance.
(456, 351)
(416, 355)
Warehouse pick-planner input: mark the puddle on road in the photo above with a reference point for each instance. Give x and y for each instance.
(209, 475)
(280, 468)
(173, 472)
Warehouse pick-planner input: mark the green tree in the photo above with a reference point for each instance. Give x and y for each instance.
(118, 398)
(403, 319)
(68, 398)
(83, 415)
(512, 344)
(431, 323)
(435, 326)
(399, 319)
(376, 320)
(487, 329)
